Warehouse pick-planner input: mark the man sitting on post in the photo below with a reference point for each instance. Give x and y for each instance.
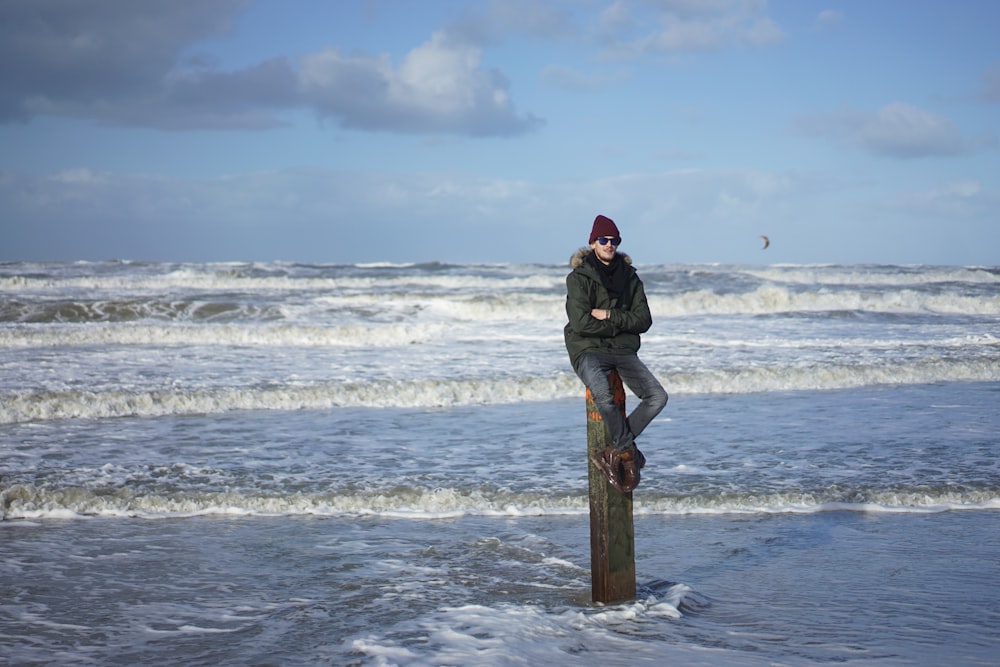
(607, 310)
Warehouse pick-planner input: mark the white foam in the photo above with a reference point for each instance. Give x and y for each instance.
(887, 502)
(874, 275)
(474, 634)
(283, 335)
(775, 299)
(469, 293)
(24, 406)
(27, 501)
(770, 341)
(834, 376)
(199, 280)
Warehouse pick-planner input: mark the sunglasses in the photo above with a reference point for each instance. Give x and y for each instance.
(605, 240)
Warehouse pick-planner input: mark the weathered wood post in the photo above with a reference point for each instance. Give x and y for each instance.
(612, 536)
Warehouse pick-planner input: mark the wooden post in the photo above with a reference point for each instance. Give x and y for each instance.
(612, 536)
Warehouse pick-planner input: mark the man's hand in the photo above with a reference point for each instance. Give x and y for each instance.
(600, 314)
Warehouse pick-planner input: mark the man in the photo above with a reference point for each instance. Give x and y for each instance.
(607, 310)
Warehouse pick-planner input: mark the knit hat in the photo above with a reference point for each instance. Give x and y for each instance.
(603, 226)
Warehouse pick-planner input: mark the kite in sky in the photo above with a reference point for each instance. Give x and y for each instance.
(767, 242)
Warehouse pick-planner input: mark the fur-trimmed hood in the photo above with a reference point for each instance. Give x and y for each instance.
(576, 261)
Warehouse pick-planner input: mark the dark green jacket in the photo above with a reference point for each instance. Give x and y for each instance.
(629, 315)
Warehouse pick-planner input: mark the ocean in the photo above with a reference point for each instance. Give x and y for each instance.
(385, 464)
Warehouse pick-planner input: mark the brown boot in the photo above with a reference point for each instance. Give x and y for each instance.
(630, 469)
(640, 458)
(609, 462)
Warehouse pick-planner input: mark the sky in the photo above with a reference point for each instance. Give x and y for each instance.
(494, 131)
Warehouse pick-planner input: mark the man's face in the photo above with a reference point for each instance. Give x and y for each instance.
(605, 251)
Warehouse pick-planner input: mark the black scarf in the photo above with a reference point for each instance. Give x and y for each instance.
(613, 276)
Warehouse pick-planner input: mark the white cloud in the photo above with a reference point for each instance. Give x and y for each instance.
(902, 130)
(685, 26)
(445, 79)
(694, 215)
(438, 87)
(763, 32)
(614, 20)
(121, 64)
(493, 21)
(950, 201)
(80, 175)
(298, 214)
(896, 130)
(66, 56)
(829, 18)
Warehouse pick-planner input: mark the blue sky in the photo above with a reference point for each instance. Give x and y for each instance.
(461, 131)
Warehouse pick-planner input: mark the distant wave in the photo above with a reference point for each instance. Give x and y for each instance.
(370, 309)
(772, 299)
(132, 310)
(491, 306)
(24, 406)
(397, 334)
(190, 280)
(26, 501)
(222, 334)
(967, 342)
(874, 275)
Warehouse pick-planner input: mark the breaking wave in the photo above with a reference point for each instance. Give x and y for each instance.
(200, 280)
(23, 406)
(772, 299)
(371, 310)
(222, 334)
(27, 501)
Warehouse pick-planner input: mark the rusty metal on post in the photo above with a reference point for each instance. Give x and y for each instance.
(612, 536)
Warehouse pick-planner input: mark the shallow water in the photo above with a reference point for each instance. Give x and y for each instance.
(721, 589)
(764, 535)
(238, 464)
(914, 448)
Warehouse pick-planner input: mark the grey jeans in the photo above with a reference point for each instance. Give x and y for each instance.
(594, 368)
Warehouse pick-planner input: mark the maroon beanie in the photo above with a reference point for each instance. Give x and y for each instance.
(603, 226)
